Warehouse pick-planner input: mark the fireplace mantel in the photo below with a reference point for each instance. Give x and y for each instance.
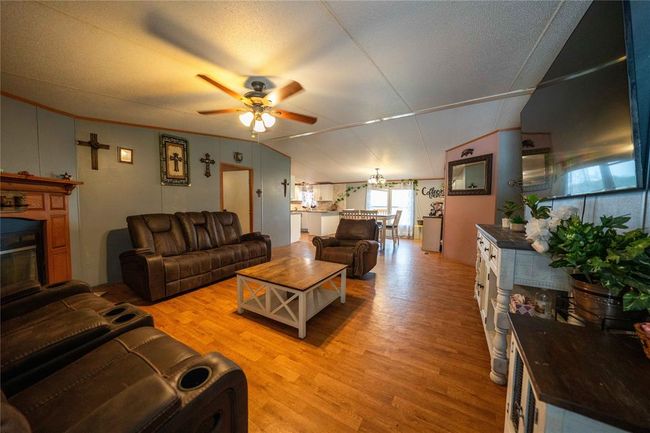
(46, 199)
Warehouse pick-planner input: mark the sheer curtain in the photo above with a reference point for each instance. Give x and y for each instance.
(391, 200)
(404, 199)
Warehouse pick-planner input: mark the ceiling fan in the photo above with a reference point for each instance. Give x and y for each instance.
(259, 110)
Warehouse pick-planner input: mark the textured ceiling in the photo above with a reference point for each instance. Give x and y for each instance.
(136, 62)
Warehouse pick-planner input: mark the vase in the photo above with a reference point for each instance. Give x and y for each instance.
(505, 223)
(517, 227)
(597, 306)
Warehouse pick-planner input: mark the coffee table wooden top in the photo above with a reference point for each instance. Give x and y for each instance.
(299, 273)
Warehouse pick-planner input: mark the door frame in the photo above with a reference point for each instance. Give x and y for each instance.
(223, 167)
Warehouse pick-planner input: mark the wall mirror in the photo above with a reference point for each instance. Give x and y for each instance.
(470, 176)
(536, 169)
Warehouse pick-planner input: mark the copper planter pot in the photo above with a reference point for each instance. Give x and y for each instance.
(596, 305)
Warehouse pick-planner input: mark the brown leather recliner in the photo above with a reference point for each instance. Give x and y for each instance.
(355, 244)
(48, 327)
(141, 381)
(187, 250)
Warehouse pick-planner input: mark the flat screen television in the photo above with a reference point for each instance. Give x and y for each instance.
(579, 127)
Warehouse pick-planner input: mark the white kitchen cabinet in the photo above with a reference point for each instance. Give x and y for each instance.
(296, 193)
(296, 219)
(324, 192)
(320, 223)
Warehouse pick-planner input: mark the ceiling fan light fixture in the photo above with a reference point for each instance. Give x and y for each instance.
(246, 118)
(268, 120)
(259, 126)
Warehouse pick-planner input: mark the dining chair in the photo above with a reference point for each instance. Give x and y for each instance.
(394, 227)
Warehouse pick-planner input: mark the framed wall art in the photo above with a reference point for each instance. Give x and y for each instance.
(174, 161)
(125, 155)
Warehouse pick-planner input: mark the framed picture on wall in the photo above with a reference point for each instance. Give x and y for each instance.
(125, 155)
(174, 161)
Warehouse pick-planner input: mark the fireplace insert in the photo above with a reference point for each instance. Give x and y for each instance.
(21, 250)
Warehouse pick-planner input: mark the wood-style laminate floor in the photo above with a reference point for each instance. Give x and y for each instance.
(405, 353)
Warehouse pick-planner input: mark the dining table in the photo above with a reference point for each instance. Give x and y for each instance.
(384, 219)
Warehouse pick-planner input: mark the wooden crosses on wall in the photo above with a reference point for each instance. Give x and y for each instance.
(95, 146)
(207, 161)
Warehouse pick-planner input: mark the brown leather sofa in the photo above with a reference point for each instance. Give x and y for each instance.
(141, 381)
(355, 244)
(180, 252)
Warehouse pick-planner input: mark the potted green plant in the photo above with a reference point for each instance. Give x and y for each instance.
(517, 223)
(537, 210)
(509, 209)
(610, 271)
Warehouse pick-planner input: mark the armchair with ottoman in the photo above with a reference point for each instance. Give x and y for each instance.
(180, 252)
(354, 244)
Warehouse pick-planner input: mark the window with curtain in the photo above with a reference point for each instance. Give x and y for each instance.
(391, 200)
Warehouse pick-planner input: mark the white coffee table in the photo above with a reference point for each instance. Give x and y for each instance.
(290, 290)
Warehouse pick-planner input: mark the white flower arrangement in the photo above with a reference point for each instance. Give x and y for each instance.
(539, 230)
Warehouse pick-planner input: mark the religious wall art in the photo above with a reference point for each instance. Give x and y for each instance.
(125, 155)
(208, 162)
(174, 163)
(95, 147)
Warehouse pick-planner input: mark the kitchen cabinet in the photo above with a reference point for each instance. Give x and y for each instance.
(296, 219)
(324, 192)
(296, 193)
(319, 223)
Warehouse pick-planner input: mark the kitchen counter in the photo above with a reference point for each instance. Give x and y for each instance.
(320, 223)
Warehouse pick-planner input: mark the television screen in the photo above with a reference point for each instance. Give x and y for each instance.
(577, 132)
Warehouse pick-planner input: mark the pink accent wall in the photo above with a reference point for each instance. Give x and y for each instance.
(463, 212)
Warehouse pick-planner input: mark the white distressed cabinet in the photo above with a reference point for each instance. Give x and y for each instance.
(505, 259)
(561, 379)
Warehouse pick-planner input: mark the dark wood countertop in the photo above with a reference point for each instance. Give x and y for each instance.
(505, 238)
(599, 375)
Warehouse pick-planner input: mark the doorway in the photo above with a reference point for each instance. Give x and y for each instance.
(237, 193)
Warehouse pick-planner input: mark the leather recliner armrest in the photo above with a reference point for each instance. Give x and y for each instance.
(365, 256)
(221, 400)
(44, 296)
(323, 242)
(144, 272)
(257, 236)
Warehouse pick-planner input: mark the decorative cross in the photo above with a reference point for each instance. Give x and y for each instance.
(207, 161)
(176, 158)
(285, 184)
(94, 147)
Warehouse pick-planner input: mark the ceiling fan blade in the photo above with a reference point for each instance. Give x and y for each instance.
(294, 116)
(283, 93)
(220, 87)
(222, 111)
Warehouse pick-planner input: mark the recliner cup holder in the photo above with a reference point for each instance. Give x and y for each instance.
(115, 311)
(124, 318)
(194, 378)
